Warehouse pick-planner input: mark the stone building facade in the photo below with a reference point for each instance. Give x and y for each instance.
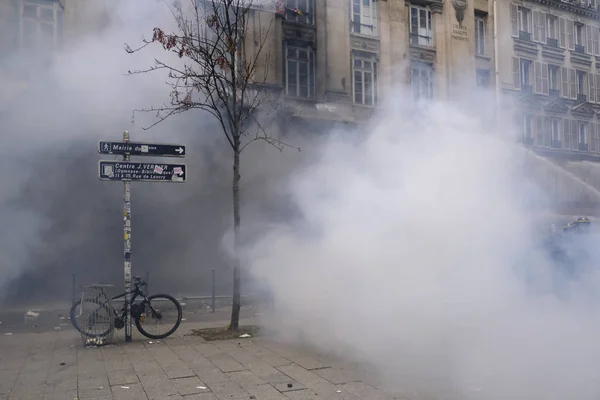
(335, 61)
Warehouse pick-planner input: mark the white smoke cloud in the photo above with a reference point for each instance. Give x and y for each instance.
(416, 253)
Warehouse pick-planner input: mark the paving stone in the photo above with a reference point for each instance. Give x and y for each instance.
(203, 396)
(117, 364)
(133, 391)
(266, 392)
(27, 393)
(190, 385)
(245, 379)
(288, 386)
(305, 394)
(211, 375)
(180, 371)
(121, 377)
(225, 363)
(70, 395)
(265, 354)
(300, 374)
(364, 391)
(207, 349)
(227, 390)
(328, 390)
(336, 375)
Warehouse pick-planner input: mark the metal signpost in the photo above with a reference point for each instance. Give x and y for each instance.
(128, 171)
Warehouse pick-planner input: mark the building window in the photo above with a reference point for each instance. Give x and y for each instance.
(480, 36)
(583, 144)
(552, 27)
(582, 83)
(483, 78)
(300, 11)
(554, 77)
(421, 31)
(364, 70)
(300, 72)
(579, 35)
(524, 18)
(364, 17)
(525, 72)
(555, 133)
(421, 78)
(40, 24)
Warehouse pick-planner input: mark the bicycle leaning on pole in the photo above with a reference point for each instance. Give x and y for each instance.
(150, 308)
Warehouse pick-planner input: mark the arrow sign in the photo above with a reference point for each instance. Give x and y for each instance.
(141, 149)
(144, 172)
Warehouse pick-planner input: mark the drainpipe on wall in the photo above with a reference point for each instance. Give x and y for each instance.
(496, 71)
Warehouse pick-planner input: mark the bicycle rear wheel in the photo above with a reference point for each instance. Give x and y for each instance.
(159, 316)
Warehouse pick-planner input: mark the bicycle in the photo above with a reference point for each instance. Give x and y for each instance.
(138, 311)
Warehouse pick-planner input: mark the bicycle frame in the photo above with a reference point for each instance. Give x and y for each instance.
(135, 293)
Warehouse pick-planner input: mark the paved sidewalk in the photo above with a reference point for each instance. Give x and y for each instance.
(56, 366)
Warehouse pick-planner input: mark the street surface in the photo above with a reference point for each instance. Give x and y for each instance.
(55, 365)
(56, 316)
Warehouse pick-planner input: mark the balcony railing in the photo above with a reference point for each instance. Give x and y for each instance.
(579, 49)
(528, 141)
(526, 88)
(525, 36)
(552, 42)
(582, 147)
(554, 92)
(582, 98)
(556, 144)
(421, 40)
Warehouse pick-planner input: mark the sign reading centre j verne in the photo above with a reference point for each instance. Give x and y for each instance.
(136, 171)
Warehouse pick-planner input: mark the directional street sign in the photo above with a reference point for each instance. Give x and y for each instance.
(137, 171)
(141, 149)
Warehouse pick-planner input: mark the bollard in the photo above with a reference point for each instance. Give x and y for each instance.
(214, 283)
(147, 281)
(73, 287)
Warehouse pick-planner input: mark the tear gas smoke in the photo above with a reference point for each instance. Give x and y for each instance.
(58, 218)
(416, 252)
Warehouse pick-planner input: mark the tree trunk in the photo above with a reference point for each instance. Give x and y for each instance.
(236, 304)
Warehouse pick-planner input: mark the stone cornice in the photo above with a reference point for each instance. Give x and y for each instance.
(573, 6)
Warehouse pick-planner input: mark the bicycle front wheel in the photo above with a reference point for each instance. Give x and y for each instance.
(159, 316)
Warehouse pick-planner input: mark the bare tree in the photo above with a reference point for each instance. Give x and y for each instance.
(217, 69)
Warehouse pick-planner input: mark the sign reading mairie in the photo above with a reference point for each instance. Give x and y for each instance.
(141, 149)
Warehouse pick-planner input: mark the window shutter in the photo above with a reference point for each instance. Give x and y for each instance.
(562, 33)
(537, 80)
(595, 37)
(589, 48)
(547, 132)
(571, 34)
(514, 22)
(564, 88)
(536, 26)
(516, 73)
(593, 139)
(539, 131)
(566, 134)
(573, 81)
(574, 134)
(592, 88)
(545, 81)
(543, 23)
